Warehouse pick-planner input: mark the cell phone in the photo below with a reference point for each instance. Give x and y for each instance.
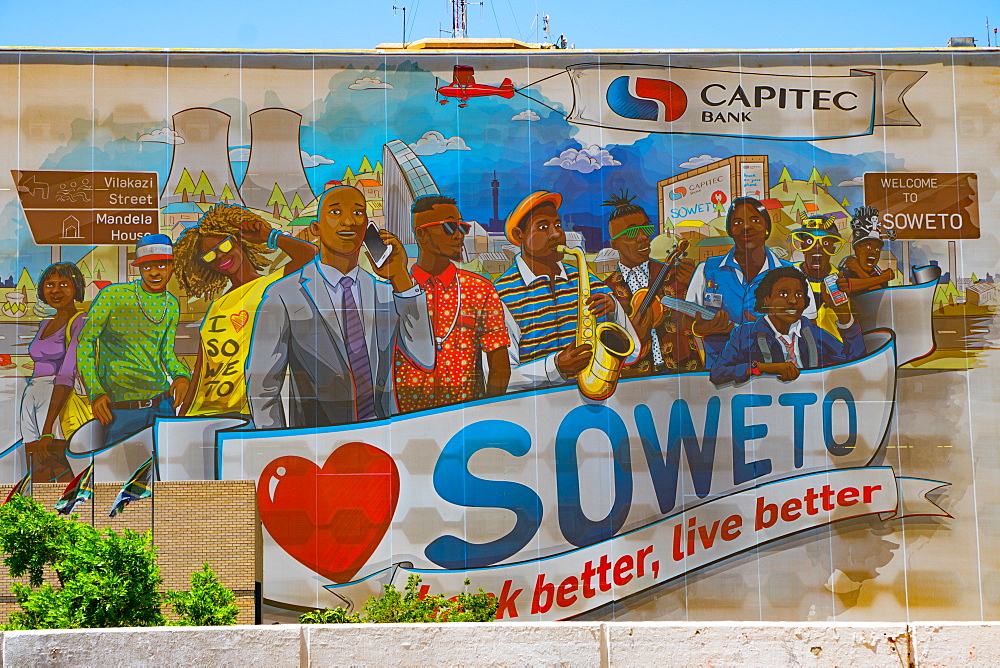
(839, 296)
(377, 249)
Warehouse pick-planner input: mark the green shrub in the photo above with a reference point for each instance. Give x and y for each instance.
(207, 604)
(410, 606)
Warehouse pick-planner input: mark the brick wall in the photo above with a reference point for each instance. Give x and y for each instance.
(192, 522)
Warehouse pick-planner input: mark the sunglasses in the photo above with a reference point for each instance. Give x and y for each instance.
(223, 246)
(804, 241)
(451, 226)
(633, 232)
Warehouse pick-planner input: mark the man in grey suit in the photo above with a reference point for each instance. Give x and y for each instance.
(334, 327)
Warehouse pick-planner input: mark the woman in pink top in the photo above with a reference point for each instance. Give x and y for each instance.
(53, 351)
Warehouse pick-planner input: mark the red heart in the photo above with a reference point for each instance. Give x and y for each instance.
(330, 519)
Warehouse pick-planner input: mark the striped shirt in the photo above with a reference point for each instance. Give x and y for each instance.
(544, 309)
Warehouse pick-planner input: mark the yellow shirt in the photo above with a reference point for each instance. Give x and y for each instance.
(825, 317)
(225, 344)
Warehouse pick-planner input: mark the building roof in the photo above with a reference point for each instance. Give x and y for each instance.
(182, 207)
(302, 221)
(810, 207)
(499, 257)
(368, 183)
(980, 288)
(771, 204)
(715, 241)
(607, 254)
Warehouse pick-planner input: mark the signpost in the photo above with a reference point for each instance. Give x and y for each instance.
(926, 205)
(89, 208)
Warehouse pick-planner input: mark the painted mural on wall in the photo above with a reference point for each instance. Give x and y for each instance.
(649, 336)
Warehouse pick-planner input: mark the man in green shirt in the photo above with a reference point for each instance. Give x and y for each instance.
(126, 350)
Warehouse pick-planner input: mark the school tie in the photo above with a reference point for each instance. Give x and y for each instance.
(357, 353)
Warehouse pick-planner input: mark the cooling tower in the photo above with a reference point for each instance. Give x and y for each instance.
(405, 179)
(205, 149)
(275, 158)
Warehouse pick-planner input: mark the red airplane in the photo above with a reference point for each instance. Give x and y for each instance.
(463, 86)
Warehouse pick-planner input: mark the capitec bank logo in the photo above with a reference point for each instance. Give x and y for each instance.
(647, 99)
(678, 192)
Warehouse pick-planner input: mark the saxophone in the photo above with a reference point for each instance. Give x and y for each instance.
(610, 342)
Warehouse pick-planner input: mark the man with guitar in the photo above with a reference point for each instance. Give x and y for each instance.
(640, 282)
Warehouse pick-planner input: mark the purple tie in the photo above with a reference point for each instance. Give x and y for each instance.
(357, 353)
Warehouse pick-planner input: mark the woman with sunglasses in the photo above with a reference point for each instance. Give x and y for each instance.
(227, 251)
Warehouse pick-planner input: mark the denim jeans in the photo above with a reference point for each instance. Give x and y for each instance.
(129, 422)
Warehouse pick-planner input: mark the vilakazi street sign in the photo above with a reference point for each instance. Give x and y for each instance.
(88, 208)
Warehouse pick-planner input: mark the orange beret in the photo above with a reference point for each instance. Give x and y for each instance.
(526, 205)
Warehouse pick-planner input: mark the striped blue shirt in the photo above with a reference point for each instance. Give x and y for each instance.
(545, 309)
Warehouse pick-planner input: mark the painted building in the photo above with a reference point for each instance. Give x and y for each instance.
(841, 483)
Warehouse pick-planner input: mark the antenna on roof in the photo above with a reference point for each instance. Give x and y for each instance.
(394, 8)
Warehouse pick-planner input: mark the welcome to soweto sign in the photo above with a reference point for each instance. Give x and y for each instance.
(88, 208)
(926, 205)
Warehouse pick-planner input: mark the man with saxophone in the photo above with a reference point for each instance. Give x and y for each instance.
(542, 299)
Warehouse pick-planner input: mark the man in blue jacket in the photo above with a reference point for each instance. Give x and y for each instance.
(782, 342)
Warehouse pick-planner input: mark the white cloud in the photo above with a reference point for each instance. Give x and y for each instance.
(313, 160)
(368, 83)
(433, 142)
(162, 136)
(584, 161)
(526, 115)
(699, 161)
(239, 154)
(858, 181)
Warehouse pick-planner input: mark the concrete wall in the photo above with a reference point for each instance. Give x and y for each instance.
(192, 522)
(563, 643)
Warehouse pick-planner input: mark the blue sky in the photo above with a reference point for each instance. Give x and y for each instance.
(589, 24)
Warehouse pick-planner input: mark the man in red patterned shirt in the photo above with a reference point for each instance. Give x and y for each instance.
(466, 317)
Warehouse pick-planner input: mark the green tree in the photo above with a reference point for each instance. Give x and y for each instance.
(277, 200)
(204, 187)
(411, 606)
(798, 205)
(105, 579)
(814, 176)
(785, 176)
(845, 203)
(185, 185)
(207, 604)
(297, 205)
(379, 171)
(348, 179)
(227, 195)
(366, 167)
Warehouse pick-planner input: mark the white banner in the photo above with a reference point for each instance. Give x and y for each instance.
(682, 100)
(532, 475)
(569, 584)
